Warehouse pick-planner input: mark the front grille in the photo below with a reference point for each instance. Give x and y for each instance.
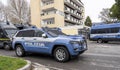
(80, 43)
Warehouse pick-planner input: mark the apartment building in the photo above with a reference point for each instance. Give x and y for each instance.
(57, 13)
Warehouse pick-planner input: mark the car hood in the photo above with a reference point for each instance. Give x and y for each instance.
(72, 37)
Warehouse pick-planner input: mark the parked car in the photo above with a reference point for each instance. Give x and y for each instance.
(48, 41)
(7, 31)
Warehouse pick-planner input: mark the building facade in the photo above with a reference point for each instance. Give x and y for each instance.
(57, 13)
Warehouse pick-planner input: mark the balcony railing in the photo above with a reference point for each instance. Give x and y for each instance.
(74, 13)
(72, 20)
(74, 6)
(47, 2)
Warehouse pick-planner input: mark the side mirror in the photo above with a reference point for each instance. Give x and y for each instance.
(44, 35)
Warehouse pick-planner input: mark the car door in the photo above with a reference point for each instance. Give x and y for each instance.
(43, 44)
(27, 39)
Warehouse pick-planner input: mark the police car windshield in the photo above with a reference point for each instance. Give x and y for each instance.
(10, 32)
(55, 33)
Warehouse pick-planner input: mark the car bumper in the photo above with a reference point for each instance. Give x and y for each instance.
(77, 51)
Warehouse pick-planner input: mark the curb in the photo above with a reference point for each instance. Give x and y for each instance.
(26, 67)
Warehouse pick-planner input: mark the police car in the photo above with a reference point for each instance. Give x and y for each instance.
(48, 41)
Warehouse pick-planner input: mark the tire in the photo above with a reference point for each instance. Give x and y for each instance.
(1, 47)
(99, 41)
(61, 54)
(7, 47)
(19, 50)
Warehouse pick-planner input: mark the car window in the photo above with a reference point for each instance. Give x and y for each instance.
(39, 33)
(28, 33)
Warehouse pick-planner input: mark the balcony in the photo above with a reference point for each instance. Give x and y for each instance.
(48, 16)
(48, 11)
(67, 19)
(69, 4)
(47, 2)
(74, 13)
(51, 11)
(73, 6)
(79, 3)
(47, 7)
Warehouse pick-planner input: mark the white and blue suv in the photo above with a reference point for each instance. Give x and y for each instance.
(49, 41)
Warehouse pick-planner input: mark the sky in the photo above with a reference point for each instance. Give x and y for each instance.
(93, 7)
(4, 1)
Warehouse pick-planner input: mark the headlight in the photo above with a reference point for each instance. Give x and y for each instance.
(75, 44)
(85, 45)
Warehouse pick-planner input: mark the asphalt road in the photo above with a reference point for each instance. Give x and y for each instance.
(98, 57)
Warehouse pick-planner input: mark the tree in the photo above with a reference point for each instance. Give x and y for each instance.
(19, 11)
(105, 16)
(115, 10)
(88, 21)
(1, 12)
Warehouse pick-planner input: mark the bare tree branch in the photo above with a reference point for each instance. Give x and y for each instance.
(105, 16)
(19, 11)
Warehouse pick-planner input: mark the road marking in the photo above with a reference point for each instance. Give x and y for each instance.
(44, 66)
(105, 55)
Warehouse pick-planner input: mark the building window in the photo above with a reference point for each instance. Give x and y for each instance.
(48, 21)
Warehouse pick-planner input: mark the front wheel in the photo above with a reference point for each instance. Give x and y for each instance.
(99, 41)
(61, 54)
(20, 52)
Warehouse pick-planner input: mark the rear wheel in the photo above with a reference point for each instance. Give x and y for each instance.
(19, 50)
(61, 54)
(7, 47)
(1, 47)
(99, 41)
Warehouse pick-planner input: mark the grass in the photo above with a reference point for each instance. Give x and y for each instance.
(7, 63)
